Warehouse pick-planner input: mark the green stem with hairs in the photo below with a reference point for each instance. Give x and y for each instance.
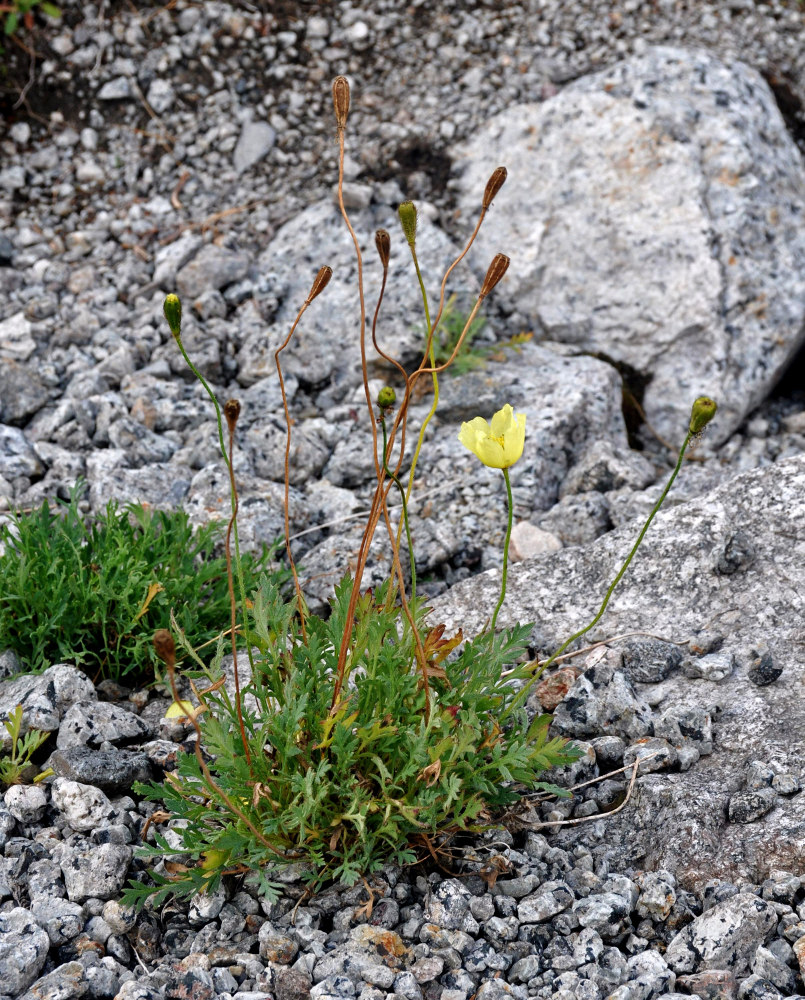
(505, 572)
(522, 694)
(399, 486)
(238, 564)
(432, 359)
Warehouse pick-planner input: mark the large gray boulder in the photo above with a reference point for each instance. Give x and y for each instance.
(724, 575)
(654, 212)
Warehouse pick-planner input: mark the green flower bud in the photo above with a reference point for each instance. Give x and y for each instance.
(386, 398)
(173, 314)
(407, 213)
(703, 411)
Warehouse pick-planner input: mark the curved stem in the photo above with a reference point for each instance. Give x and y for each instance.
(232, 602)
(432, 359)
(233, 500)
(404, 503)
(505, 553)
(523, 692)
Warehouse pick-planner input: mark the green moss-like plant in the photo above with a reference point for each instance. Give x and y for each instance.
(93, 593)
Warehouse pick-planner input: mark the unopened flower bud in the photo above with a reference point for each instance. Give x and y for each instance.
(702, 412)
(383, 244)
(232, 412)
(320, 282)
(341, 101)
(494, 184)
(497, 269)
(172, 308)
(407, 213)
(386, 398)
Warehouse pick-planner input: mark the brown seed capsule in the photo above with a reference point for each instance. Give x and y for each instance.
(497, 269)
(164, 646)
(232, 412)
(383, 244)
(320, 282)
(407, 214)
(341, 101)
(494, 184)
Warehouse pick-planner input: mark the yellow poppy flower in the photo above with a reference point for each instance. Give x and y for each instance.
(498, 444)
(181, 710)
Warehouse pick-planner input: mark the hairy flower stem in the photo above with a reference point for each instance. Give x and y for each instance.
(432, 359)
(523, 693)
(165, 650)
(505, 571)
(230, 581)
(341, 101)
(232, 497)
(300, 598)
(404, 503)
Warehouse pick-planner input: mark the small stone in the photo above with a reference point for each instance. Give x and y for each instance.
(26, 803)
(527, 541)
(23, 950)
(256, 139)
(762, 668)
(160, 95)
(652, 754)
(110, 770)
(648, 661)
(713, 667)
(749, 805)
(710, 984)
(724, 936)
(118, 89)
(20, 132)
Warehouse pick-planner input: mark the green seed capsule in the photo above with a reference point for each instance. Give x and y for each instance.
(703, 411)
(386, 398)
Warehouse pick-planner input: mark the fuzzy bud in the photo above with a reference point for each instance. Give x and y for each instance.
(497, 269)
(341, 101)
(383, 244)
(407, 213)
(494, 184)
(232, 412)
(386, 398)
(172, 308)
(164, 646)
(320, 282)
(702, 412)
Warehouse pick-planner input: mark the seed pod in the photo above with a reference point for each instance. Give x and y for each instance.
(172, 308)
(702, 412)
(383, 244)
(386, 397)
(232, 412)
(407, 213)
(164, 646)
(320, 282)
(494, 184)
(341, 101)
(497, 269)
